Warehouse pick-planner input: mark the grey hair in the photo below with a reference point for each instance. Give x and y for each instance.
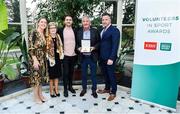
(86, 16)
(52, 24)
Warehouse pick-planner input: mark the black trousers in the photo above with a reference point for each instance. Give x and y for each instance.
(68, 70)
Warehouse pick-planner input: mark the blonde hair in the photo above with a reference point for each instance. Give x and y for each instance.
(52, 24)
(37, 21)
(46, 29)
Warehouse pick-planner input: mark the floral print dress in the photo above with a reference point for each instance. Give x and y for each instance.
(37, 47)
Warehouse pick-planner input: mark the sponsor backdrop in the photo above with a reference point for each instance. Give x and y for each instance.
(156, 70)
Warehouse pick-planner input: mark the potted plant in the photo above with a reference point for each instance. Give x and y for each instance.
(120, 66)
(24, 73)
(22, 70)
(23, 65)
(120, 63)
(6, 70)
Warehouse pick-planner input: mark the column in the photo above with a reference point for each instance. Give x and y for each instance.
(119, 20)
(23, 15)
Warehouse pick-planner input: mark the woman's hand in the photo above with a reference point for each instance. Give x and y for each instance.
(36, 63)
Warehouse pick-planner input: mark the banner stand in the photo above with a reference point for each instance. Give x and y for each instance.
(156, 73)
(155, 104)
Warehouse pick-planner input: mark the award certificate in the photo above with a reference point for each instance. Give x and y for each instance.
(85, 45)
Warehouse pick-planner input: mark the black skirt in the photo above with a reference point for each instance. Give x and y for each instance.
(55, 71)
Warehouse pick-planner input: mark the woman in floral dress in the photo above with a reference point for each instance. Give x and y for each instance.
(37, 61)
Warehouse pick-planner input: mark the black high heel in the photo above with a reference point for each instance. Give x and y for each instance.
(57, 94)
(52, 96)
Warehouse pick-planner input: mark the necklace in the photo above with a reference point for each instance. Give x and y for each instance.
(54, 39)
(53, 36)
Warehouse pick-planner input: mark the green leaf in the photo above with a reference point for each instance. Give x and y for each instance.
(6, 33)
(12, 37)
(1, 1)
(9, 71)
(3, 17)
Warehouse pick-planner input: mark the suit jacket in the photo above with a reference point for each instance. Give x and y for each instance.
(95, 40)
(109, 43)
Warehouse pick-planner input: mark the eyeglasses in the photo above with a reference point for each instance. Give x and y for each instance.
(52, 28)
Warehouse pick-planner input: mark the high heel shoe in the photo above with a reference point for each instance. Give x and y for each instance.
(43, 99)
(38, 101)
(52, 96)
(57, 94)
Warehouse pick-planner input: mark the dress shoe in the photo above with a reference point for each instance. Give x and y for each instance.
(52, 96)
(83, 92)
(100, 91)
(65, 93)
(72, 90)
(111, 97)
(94, 94)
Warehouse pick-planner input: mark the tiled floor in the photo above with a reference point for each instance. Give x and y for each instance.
(22, 103)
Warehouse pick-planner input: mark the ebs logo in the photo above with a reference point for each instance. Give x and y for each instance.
(150, 45)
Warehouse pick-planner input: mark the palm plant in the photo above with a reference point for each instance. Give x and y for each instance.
(7, 38)
(24, 64)
(121, 59)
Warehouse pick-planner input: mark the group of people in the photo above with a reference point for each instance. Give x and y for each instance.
(52, 49)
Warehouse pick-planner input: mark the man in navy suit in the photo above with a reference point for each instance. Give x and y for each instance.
(109, 45)
(90, 57)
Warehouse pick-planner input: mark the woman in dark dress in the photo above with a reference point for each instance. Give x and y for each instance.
(54, 55)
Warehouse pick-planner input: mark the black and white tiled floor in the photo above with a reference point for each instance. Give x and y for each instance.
(22, 103)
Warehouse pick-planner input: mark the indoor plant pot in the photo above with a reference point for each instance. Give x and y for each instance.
(26, 81)
(1, 84)
(77, 72)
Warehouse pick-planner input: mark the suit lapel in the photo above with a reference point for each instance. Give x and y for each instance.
(91, 36)
(81, 34)
(103, 33)
(106, 32)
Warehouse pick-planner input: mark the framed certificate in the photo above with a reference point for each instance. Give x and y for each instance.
(86, 45)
